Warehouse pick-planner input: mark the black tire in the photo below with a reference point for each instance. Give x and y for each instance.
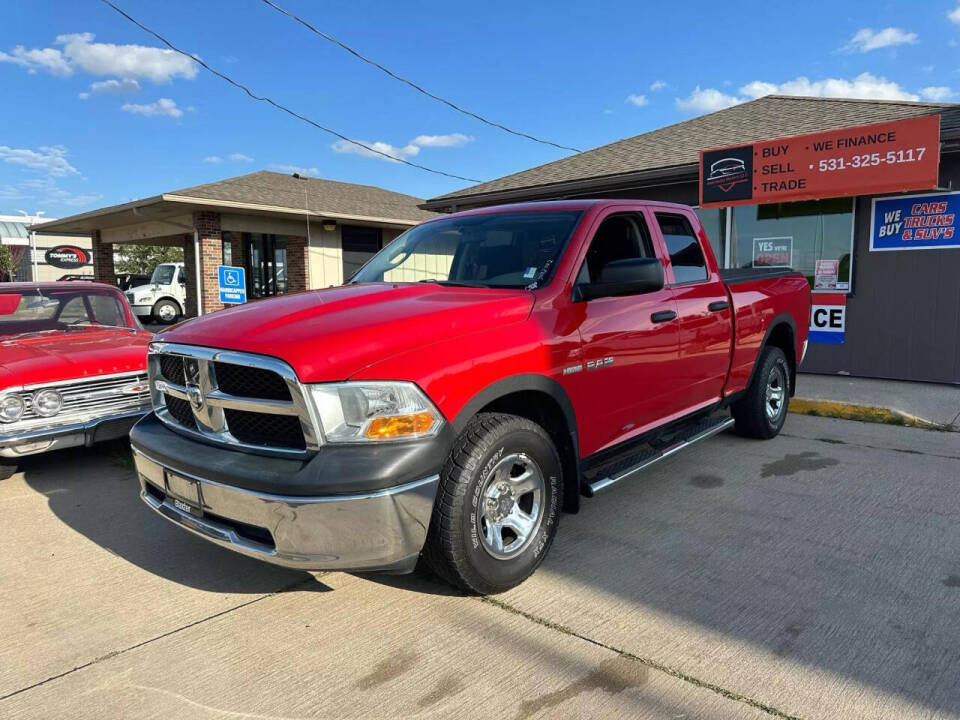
(458, 546)
(165, 306)
(754, 413)
(7, 468)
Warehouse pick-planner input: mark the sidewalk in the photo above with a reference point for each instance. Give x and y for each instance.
(893, 401)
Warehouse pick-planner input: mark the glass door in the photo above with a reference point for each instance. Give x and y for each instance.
(267, 265)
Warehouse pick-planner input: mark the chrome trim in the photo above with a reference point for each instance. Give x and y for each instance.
(60, 436)
(598, 485)
(200, 378)
(374, 530)
(803, 354)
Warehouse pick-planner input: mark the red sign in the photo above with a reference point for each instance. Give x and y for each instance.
(866, 160)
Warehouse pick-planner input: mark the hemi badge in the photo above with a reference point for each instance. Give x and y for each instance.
(572, 369)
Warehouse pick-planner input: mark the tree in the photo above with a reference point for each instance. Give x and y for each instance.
(7, 266)
(142, 259)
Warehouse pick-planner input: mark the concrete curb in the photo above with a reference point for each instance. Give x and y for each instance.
(863, 413)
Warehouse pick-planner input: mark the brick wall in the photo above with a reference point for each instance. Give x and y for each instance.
(297, 263)
(211, 255)
(103, 269)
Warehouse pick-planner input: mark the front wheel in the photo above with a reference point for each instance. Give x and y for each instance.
(761, 412)
(498, 505)
(166, 312)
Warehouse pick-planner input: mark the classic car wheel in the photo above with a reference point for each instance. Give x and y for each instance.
(7, 468)
(166, 312)
(498, 505)
(761, 412)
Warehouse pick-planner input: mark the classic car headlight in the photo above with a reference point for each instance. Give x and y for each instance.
(374, 411)
(11, 408)
(47, 403)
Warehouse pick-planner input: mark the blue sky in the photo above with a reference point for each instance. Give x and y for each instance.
(94, 115)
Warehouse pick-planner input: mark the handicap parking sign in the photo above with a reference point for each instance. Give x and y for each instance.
(233, 284)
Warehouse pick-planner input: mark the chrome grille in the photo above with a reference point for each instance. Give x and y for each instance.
(239, 399)
(88, 399)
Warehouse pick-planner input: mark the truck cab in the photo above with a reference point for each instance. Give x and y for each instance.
(163, 298)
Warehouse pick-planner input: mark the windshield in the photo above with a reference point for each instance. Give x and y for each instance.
(50, 310)
(507, 250)
(163, 274)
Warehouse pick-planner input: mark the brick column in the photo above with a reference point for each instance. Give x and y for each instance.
(298, 278)
(211, 255)
(103, 269)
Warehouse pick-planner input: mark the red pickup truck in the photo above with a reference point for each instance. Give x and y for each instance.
(475, 378)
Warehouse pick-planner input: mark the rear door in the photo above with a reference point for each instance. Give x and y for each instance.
(703, 305)
(629, 344)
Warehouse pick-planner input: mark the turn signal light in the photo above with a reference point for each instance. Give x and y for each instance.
(399, 426)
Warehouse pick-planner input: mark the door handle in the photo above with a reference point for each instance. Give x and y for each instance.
(663, 316)
(718, 306)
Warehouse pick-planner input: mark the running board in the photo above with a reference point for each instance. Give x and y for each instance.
(596, 486)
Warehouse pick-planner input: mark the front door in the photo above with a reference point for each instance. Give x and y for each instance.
(266, 265)
(629, 344)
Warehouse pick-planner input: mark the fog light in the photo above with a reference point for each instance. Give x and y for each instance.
(11, 408)
(47, 403)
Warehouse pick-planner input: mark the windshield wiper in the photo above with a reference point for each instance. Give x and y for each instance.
(453, 283)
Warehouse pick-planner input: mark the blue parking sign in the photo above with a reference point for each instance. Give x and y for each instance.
(233, 284)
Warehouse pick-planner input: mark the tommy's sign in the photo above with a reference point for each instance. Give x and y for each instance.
(828, 318)
(870, 159)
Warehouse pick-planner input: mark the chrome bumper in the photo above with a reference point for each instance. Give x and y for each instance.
(38, 440)
(382, 530)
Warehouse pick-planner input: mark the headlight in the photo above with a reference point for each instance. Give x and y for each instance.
(11, 408)
(47, 403)
(364, 412)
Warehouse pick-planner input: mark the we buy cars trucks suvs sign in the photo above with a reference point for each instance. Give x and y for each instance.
(475, 378)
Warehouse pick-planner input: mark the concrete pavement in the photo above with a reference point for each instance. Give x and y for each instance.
(812, 576)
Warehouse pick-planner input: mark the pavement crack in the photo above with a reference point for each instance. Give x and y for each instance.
(115, 653)
(906, 451)
(648, 662)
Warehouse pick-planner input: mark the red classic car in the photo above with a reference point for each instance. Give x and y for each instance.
(72, 367)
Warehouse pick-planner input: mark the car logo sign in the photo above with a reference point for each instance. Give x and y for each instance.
(196, 397)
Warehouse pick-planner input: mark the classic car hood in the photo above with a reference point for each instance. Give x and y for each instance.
(331, 334)
(35, 359)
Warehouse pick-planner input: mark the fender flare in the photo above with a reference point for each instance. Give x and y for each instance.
(781, 319)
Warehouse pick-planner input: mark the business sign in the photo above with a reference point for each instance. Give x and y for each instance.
(870, 159)
(828, 318)
(826, 274)
(66, 257)
(915, 222)
(233, 284)
(773, 252)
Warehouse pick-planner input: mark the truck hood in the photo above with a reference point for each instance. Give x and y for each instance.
(329, 335)
(38, 359)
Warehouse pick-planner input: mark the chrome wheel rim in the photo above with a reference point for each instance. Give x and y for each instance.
(511, 506)
(167, 312)
(776, 393)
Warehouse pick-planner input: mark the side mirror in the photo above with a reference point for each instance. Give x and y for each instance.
(633, 276)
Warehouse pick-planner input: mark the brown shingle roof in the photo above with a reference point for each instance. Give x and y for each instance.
(680, 144)
(282, 190)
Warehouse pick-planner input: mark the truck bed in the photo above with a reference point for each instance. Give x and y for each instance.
(734, 276)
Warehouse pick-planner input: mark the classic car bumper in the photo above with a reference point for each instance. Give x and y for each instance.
(38, 440)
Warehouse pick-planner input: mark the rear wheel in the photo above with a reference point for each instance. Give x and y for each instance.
(761, 412)
(498, 505)
(166, 312)
(7, 468)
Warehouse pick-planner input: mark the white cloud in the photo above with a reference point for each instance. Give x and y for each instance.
(312, 171)
(704, 100)
(867, 39)
(638, 100)
(126, 85)
(81, 54)
(164, 107)
(657, 85)
(936, 93)
(240, 157)
(954, 15)
(51, 160)
(864, 86)
(213, 159)
(45, 191)
(409, 150)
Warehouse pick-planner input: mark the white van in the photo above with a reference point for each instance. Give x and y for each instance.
(163, 298)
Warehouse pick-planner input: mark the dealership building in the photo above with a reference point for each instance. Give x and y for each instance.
(288, 232)
(880, 248)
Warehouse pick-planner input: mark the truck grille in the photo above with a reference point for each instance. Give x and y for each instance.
(231, 398)
(89, 399)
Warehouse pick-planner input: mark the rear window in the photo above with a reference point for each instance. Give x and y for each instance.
(686, 256)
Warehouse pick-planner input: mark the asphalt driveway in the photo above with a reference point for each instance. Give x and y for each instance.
(814, 576)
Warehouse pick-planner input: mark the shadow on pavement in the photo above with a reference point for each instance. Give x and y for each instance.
(95, 492)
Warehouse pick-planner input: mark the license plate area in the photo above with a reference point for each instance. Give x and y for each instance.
(184, 493)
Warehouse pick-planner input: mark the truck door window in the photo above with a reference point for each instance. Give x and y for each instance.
(620, 237)
(686, 256)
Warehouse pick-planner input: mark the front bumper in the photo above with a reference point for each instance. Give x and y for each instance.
(141, 310)
(377, 530)
(38, 440)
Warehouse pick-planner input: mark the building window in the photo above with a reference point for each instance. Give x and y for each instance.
(227, 249)
(686, 257)
(714, 221)
(359, 245)
(797, 235)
